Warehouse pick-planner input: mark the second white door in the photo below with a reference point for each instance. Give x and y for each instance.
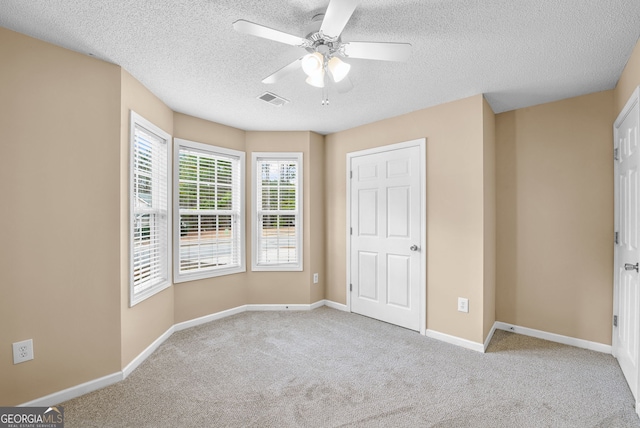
(386, 235)
(626, 332)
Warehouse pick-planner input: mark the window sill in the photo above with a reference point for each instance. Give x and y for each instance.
(196, 276)
(277, 268)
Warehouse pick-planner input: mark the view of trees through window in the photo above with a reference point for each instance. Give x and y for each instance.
(208, 211)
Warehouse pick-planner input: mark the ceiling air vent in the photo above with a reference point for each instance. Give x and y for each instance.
(273, 99)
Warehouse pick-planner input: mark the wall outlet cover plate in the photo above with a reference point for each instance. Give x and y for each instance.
(463, 304)
(22, 351)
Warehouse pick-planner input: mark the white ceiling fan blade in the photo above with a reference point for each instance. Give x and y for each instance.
(283, 71)
(258, 30)
(345, 85)
(337, 16)
(378, 50)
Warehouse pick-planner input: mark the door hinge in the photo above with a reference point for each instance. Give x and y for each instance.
(615, 154)
(351, 231)
(350, 287)
(350, 174)
(615, 320)
(617, 238)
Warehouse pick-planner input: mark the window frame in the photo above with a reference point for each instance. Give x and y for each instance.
(209, 149)
(135, 121)
(255, 212)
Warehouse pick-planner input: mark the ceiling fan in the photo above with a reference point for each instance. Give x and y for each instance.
(323, 64)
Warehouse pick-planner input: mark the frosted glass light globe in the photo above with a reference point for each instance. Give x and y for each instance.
(316, 80)
(312, 63)
(338, 68)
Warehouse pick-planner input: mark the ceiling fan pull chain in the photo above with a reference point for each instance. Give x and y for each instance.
(325, 96)
(325, 89)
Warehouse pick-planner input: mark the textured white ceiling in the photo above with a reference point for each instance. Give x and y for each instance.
(517, 52)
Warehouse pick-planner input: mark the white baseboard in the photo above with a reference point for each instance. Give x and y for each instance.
(292, 307)
(244, 308)
(208, 318)
(498, 325)
(454, 340)
(489, 337)
(558, 338)
(129, 368)
(318, 304)
(75, 391)
(338, 306)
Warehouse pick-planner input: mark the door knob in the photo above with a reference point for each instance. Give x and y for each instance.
(414, 248)
(629, 266)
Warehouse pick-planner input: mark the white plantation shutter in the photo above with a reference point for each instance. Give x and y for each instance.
(210, 213)
(149, 209)
(278, 211)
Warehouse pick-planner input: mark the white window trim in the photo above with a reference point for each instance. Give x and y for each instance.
(296, 156)
(135, 298)
(213, 150)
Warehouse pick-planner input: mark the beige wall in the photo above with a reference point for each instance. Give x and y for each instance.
(146, 321)
(317, 217)
(629, 80)
(194, 299)
(555, 217)
(489, 180)
(59, 258)
(455, 207)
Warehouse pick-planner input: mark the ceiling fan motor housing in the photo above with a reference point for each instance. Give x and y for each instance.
(320, 42)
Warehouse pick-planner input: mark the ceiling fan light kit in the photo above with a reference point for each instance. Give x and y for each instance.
(325, 46)
(316, 79)
(339, 69)
(313, 63)
(316, 66)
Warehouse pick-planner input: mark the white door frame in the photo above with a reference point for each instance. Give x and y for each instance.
(422, 144)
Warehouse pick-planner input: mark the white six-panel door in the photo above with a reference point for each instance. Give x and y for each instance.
(627, 249)
(386, 235)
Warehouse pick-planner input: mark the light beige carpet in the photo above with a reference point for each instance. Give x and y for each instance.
(326, 368)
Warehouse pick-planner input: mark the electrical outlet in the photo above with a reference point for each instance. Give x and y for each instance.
(22, 351)
(463, 304)
(315, 278)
